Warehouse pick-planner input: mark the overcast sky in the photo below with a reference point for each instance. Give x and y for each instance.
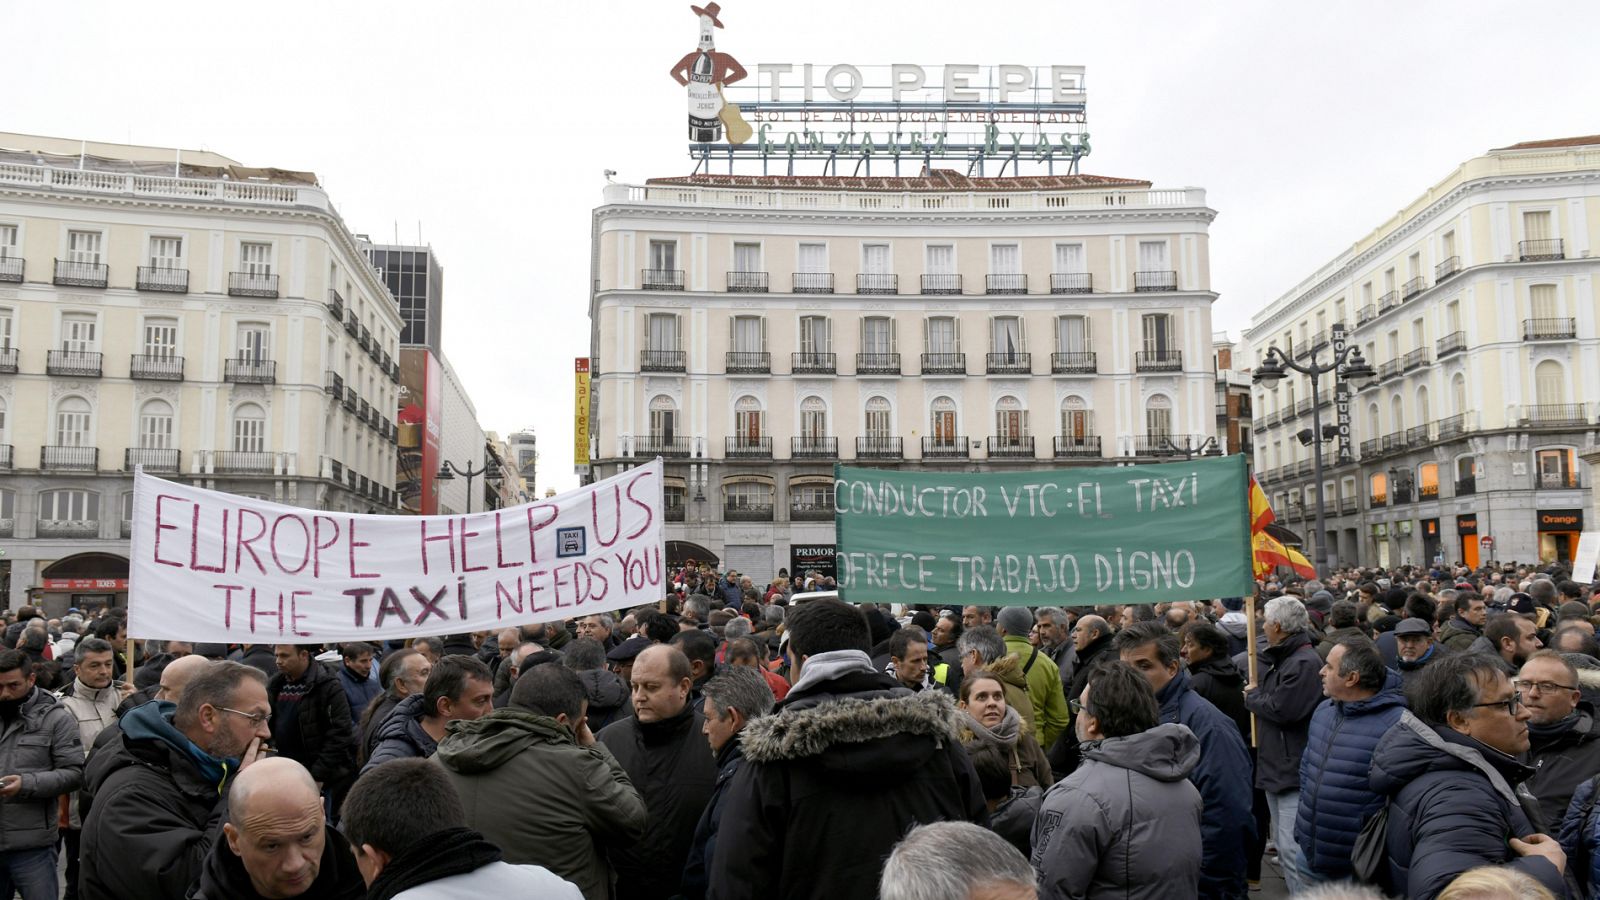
(486, 126)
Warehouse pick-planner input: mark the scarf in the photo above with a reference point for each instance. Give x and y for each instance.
(1552, 730)
(454, 851)
(1003, 735)
(820, 667)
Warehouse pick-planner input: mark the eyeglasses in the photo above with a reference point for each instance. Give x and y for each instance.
(1542, 687)
(1510, 703)
(1078, 706)
(256, 719)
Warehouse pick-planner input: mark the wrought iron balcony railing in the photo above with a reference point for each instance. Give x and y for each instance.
(941, 284)
(1071, 283)
(1546, 248)
(80, 274)
(880, 447)
(747, 282)
(1413, 287)
(662, 361)
(11, 269)
(944, 364)
(153, 459)
(745, 362)
(877, 364)
(807, 362)
(812, 282)
(1155, 280)
(748, 447)
(156, 368)
(1158, 361)
(1010, 446)
(1073, 362)
(1006, 284)
(1553, 414)
(1077, 445)
(877, 283)
(667, 447)
(945, 447)
(1549, 329)
(1010, 363)
(1447, 268)
(1454, 342)
(69, 459)
(253, 284)
(250, 371)
(810, 446)
(661, 279)
(72, 362)
(161, 279)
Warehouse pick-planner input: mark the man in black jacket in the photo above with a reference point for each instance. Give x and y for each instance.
(848, 764)
(663, 749)
(734, 697)
(156, 784)
(311, 719)
(1563, 737)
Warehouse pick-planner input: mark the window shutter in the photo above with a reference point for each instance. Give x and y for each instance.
(827, 332)
(763, 347)
(957, 320)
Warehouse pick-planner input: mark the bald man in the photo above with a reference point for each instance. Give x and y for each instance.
(278, 844)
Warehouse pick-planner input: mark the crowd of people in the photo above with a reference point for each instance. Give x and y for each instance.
(1425, 733)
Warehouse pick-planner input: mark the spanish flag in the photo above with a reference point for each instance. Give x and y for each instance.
(1270, 554)
(1261, 514)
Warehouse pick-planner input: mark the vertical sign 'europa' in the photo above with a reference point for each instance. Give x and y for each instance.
(1341, 395)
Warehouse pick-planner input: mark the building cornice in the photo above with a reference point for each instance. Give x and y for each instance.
(883, 217)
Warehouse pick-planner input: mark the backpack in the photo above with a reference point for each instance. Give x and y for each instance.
(1369, 858)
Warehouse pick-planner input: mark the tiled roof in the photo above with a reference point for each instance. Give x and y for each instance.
(935, 180)
(1584, 141)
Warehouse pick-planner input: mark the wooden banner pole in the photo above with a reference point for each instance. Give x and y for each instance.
(1250, 643)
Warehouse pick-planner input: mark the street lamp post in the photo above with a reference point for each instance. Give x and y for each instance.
(1350, 365)
(449, 470)
(1189, 449)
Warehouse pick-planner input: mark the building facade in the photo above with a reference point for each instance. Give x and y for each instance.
(1477, 305)
(755, 330)
(176, 311)
(436, 404)
(416, 279)
(524, 448)
(1234, 422)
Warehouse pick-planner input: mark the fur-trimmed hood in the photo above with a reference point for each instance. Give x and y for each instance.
(814, 731)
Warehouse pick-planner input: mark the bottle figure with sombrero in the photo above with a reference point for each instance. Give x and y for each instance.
(704, 72)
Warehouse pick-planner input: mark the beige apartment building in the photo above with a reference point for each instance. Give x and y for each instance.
(1476, 304)
(174, 310)
(754, 330)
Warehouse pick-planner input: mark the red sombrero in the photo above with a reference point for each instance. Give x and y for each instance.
(710, 9)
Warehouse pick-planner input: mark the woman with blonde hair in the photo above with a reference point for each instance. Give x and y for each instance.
(1495, 883)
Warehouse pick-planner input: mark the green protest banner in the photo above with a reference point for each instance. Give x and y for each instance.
(1070, 536)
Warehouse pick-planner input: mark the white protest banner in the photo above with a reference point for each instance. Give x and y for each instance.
(209, 566)
(1587, 555)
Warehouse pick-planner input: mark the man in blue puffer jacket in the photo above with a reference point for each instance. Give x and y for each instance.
(1580, 837)
(1336, 797)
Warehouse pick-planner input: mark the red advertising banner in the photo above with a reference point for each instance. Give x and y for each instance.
(85, 584)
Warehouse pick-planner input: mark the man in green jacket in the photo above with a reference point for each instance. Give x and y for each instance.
(1044, 677)
(535, 781)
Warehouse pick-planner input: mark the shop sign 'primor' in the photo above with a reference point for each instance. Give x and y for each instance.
(1007, 114)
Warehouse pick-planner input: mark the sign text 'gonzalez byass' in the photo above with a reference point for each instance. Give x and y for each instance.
(210, 566)
(1086, 536)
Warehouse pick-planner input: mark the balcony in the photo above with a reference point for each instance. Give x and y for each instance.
(1548, 248)
(747, 282)
(812, 282)
(662, 361)
(812, 446)
(1158, 361)
(352, 327)
(1466, 486)
(1412, 287)
(1388, 301)
(1369, 448)
(69, 459)
(80, 274)
(877, 364)
(153, 460)
(1155, 445)
(1426, 492)
(1010, 446)
(364, 338)
(253, 284)
(9, 360)
(747, 512)
(352, 401)
(1388, 369)
(365, 415)
(1546, 415)
(664, 446)
(1349, 506)
(880, 447)
(1005, 284)
(336, 470)
(333, 383)
(1420, 435)
(1402, 493)
(11, 268)
(1446, 269)
(1273, 418)
(156, 368)
(1450, 426)
(243, 462)
(661, 279)
(250, 371)
(944, 364)
(808, 363)
(162, 280)
(1319, 340)
(747, 447)
(1377, 501)
(1302, 407)
(7, 457)
(336, 304)
(748, 362)
(1008, 363)
(1549, 329)
(1454, 342)
(1069, 446)
(877, 283)
(1155, 280)
(1303, 468)
(1366, 314)
(72, 362)
(69, 528)
(672, 512)
(945, 447)
(1071, 283)
(1076, 362)
(802, 511)
(941, 284)
(1393, 442)
(1414, 359)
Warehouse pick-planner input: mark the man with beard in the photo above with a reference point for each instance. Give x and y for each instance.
(1415, 648)
(1510, 638)
(157, 785)
(41, 758)
(1564, 741)
(278, 843)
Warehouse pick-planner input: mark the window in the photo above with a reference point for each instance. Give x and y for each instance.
(255, 258)
(1005, 259)
(1447, 244)
(1158, 334)
(747, 334)
(943, 334)
(877, 335)
(1153, 256)
(69, 506)
(249, 429)
(816, 335)
(254, 342)
(155, 425)
(663, 419)
(1077, 420)
(663, 255)
(661, 331)
(83, 247)
(941, 259)
(5, 329)
(1072, 334)
(166, 252)
(1557, 468)
(1458, 394)
(1366, 294)
(747, 257)
(8, 242)
(1542, 300)
(751, 495)
(1070, 259)
(813, 418)
(875, 259)
(161, 338)
(813, 258)
(1378, 486)
(748, 419)
(811, 495)
(1428, 481)
(74, 423)
(1536, 225)
(942, 421)
(1374, 426)
(1423, 416)
(1419, 337)
(878, 414)
(1158, 417)
(1338, 312)
(1010, 421)
(1452, 317)
(1549, 383)
(1388, 281)
(1414, 265)
(78, 333)
(1005, 338)
(1394, 345)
